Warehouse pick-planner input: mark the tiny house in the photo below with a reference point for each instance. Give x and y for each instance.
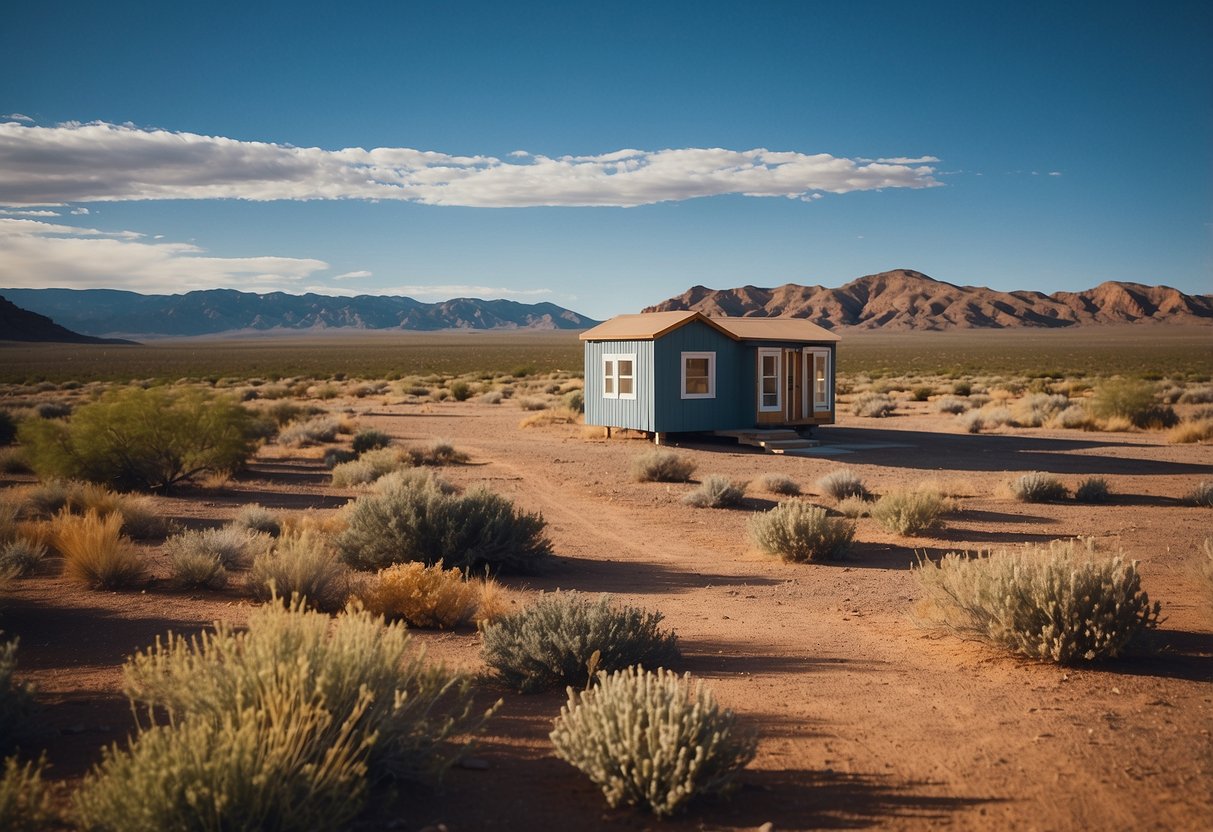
(676, 372)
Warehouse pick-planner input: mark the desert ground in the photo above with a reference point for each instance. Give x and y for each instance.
(867, 718)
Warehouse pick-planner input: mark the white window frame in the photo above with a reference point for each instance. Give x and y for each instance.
(777, 354)
(827, 404)
(711, 357)
(613, 359)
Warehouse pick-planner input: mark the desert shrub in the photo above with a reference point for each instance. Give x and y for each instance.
(564, 637)
(277, 727)
(1201, 495)
(1038, 487)
(138, 439)
(1074, 417)
(799, 531)
(413, 478)
(1055, 602)
(422, 596)
(909, 511)
(25, 798)
(554, 416)
(662, 466)
(96, 553)
(779, 484)
(19, 556)
(871, 404)
(492, 397)
(336, 456)
(192, 569)
(53, 410)
(14, 461)
(461, 391)
(438, 452)
(1092, 490)
(1197, 395)
(651, 739)
(418, 521)
(1133, 401)
(574, 400)
(716, 492)
(532, 404)
(256, 518)
(285, 412)
(1196, 430)
(367, 468)
(314, 431)
(841, 484)
(951, 404)
(1036, 409)
(300, 565)
(8, 427)
(962, 388)
(16, 699)
(921, 394)
(232, 546)
(854, 507)
(971, 421)
(369, 439)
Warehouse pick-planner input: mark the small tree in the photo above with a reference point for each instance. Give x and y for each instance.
(144, 439)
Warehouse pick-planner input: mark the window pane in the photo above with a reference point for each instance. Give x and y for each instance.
(770, 385)
(697, 367)
(768, 365)
(770, 400)
(625, 385)
(697, 385)
(608, 386)
(625, 367)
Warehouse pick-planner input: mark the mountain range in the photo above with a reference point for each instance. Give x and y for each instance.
(17, 324)
(904, 299)
(112, 312)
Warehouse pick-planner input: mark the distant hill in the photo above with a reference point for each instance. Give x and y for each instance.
(17, 324)
(908, 300)
(214, 311)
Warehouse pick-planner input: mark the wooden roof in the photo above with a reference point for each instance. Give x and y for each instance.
(648, 326)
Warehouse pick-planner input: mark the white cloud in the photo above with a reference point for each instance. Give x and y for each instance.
(1054, 173)
(39, 254)
(27, 212)
(80, 211)
(102, 162)
(352, 275)
(903, 160)
(17, 117)
(458, 290)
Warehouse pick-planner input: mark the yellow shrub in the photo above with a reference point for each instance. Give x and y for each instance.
(1187, 432)
(96, 552)
(424, 596)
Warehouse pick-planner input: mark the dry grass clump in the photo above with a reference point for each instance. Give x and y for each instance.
(1058, 602)
(1093, 490)
(841, 484)
(798, 531)
(779, 484)
(871, 404)
(303, 566)
(437, 453)
(492, 397)
(425, 596)
(367, 468)
(314, 431)
(565, 638)
(256, 518)
(854, 507)
(20, 556)
(662, 466)
(25, 798)
(369, 439)
(527, 403)
(1075, 417)
(952, 404)
(1198, 430)
(201, 559)
(414, 519)
(1197, 395)
(14, 461)
(95, 551)
(910, 511)
(716, 492)
(280, 726)
(1037, 409)
(650, 739)
(1201, 495)
(555, 416)
(1038, 487)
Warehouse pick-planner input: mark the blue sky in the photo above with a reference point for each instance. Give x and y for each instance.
(1019, 146)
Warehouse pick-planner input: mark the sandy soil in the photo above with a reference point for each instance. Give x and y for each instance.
(866, 719)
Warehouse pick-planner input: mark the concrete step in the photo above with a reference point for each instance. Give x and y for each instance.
(780, 446)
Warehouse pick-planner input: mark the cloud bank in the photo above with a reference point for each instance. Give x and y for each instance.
(101, 162)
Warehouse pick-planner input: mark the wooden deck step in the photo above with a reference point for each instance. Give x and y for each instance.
(774, 440)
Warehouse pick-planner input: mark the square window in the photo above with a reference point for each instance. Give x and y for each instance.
(699, 375)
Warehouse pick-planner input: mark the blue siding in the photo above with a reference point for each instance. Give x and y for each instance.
(636, 413)
(733, 406)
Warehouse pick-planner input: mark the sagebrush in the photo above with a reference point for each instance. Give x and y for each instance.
(1059, 602)
(910, 511)
(302, 565)
(1038, 487)
(662, 466)
(1093, 490)
(652, 739)
(800, 531)
(565, 638)
(779, 484)
(716, 491)
(841, 484)
(25, 797)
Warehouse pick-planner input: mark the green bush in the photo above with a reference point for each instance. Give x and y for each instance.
(1038, 487)
(1132, 400)
(908, 511)
(1093, 490)
(369, 439)
(650, 739)
(280, 726)
(798, 531)
(841, 484)
(565, 638)
(25, 798)
(662, 466)
(461, 391)
(574, 400)
(962, 388)
(416, 520)
(921, 394)
(16, 701)
(301, 565)
(1053, 602)
(141, 439)
(716, 492)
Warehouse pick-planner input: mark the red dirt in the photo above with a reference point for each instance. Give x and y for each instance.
(866, 719)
